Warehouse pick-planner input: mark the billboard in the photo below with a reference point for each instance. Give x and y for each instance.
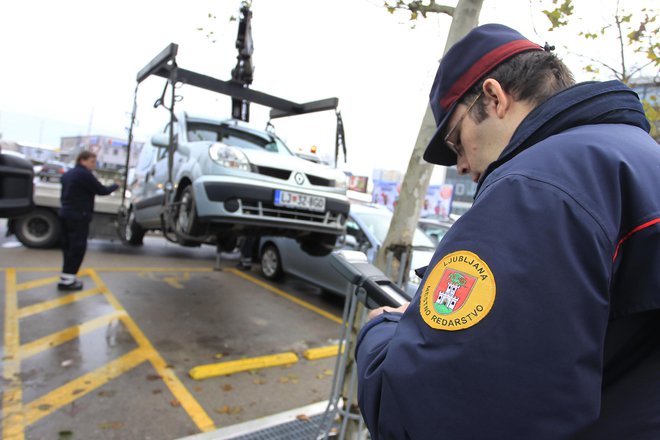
(437, 202)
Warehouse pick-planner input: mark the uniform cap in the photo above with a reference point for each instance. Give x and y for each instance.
(472, 57)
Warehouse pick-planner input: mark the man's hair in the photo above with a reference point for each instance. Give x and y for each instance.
(532, 76)
(84, 155)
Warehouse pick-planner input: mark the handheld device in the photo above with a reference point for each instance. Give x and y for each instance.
(357, 270)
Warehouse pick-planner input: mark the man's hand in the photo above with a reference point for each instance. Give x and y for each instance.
(375, 312)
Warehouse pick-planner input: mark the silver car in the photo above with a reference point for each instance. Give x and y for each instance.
(366, 229)
(230, 179)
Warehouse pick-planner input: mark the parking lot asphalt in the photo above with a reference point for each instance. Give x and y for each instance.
(113, 361)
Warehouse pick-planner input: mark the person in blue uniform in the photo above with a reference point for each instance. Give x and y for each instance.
(538, 317)
(79, 186)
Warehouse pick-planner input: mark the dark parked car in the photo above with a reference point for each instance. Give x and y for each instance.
(435, 228)
(53, 170)
(366, 228)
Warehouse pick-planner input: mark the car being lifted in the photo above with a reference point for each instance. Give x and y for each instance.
(231, 179)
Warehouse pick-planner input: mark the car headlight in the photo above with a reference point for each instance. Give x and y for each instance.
(229, 157)
(341, 182)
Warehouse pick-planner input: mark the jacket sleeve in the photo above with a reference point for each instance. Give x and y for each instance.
(531, 366)
(97, 187)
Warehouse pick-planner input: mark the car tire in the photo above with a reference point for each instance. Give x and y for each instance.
(131, 233)
(39, 229)
(185, 218)
(318, 245)
(271, 263)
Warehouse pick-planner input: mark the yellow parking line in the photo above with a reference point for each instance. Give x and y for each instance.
(58, 302)
(240, 365)
(13, 419)
(55, 339)
(283, 294)
(45, 405)
(181, 393)
(37, 283)
(313, 354)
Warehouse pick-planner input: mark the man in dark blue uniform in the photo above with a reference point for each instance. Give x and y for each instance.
(79, 186)
(539, 314)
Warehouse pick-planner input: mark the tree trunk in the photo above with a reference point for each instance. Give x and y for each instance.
(418, 175)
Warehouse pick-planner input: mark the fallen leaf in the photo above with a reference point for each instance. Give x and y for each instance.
(259, 381)
(65, 435)
(156, 391)
(153, 377)
(175, 403)
(236, 409)
(227, 387)
(218, 355)
(303, 417)
(224, 410)
(283, 379)
(111, 425)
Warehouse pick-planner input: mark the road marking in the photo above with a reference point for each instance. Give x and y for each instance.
(16, 415)
(313, 354)
(58, 302)
(171, 278)
(288, 296)
(55, 339)
(240, 365)
(13, 418)
(77, 388)
(37, 283)
(181, 393)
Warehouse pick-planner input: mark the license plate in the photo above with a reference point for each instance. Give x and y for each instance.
(300, 201)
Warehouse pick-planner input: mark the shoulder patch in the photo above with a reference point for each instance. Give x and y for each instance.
(458, 293)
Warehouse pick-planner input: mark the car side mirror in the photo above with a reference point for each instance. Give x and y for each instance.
(350, 241)
(160, 140)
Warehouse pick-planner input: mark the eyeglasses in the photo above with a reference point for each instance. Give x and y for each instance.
(453, 146)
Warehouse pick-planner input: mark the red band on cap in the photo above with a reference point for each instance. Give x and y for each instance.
(483, 66)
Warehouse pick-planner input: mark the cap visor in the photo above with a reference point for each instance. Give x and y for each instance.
(437, 151)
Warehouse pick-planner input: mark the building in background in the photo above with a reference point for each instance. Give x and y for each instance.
(110, 151)
(36, 153)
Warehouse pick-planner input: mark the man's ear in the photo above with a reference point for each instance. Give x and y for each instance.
(497, 99)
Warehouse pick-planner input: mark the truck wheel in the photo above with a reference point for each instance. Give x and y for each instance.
(271, 263)
(132, 233)
(38, 229)
(318, 245)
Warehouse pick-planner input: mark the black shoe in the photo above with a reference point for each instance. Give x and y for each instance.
(76, 285)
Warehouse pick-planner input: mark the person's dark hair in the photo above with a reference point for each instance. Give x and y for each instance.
(84, 155)
(532, 76)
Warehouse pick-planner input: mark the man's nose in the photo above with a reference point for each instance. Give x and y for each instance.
(462, 166)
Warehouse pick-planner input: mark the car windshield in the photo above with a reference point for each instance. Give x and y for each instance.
(236, 138)
(379, 223)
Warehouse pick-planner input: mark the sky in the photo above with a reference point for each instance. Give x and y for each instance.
(69, 66)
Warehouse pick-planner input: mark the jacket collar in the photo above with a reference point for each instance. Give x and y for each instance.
(587, 103)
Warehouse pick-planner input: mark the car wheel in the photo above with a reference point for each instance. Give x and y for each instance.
(271, 263)
(132, 233)
(39, 229)
(185, 220)
(318, 245)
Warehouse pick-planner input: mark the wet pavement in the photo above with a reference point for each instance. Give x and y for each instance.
(113, 360)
